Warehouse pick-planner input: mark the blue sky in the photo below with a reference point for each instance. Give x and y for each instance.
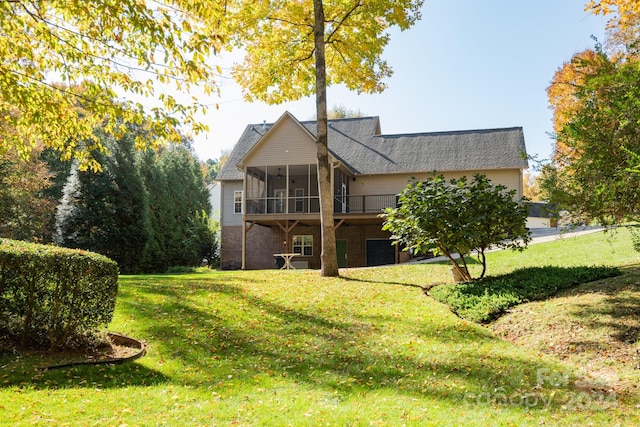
(468, 64)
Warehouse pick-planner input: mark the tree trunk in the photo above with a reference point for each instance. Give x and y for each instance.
(328, 256)
(483, 261)
(462, 271)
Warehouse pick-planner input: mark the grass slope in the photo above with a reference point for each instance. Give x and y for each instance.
(595, 326)
(291, 348)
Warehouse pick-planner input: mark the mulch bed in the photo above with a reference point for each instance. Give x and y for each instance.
(117, 349)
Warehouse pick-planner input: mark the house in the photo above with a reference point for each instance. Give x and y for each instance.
(542, 215)
(269, 187)
(215, 195)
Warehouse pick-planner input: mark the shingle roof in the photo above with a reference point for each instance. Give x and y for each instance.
(542, 210)
(358, 144)
(250, 136)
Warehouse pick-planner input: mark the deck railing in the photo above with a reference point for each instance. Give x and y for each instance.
(374, 203)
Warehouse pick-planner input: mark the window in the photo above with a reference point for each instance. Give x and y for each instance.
(303, 245)
(237, 201)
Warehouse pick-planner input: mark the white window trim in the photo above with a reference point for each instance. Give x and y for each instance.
(302, 246)
(241, 202)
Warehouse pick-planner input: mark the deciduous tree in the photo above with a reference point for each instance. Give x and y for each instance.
(596, 110)
(111, 50)
(531, 186)
(458, 217)
(211, 167)
(623, 14)
(592, 180)
(342, 112)
(297, 48)
(562, 96)
(24, 207)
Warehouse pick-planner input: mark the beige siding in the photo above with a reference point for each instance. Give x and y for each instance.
(392, 184)
(378, 184)
(511, 178)
(228, 217)
(533, 222)
(287, 143)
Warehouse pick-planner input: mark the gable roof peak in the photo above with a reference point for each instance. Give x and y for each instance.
(267, 129)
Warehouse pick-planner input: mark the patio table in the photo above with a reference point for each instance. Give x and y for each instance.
(287, 260)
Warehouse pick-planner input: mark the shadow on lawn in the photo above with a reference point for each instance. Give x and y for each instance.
(25, 372)
(618, 309)
(410, 285)
(169, 282)
(229, 334)
(246, 339)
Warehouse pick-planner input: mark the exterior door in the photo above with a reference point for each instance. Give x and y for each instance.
(380, 252)
(341, 250)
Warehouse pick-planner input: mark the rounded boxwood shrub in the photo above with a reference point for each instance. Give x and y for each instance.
(50, 295)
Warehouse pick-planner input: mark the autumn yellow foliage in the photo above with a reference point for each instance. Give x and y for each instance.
(625, 12)
(118, 52)
(279, 63)
(622, 35)
(562, 92)
(623, 26)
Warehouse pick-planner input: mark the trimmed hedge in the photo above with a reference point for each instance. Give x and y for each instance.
(487, 299)
(50, 294)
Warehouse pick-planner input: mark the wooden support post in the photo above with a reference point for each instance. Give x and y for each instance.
(287, 229)
(244, 244)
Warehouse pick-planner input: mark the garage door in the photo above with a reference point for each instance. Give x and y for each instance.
(380, 252)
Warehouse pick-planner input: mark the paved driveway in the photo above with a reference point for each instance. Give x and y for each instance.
(539, 235)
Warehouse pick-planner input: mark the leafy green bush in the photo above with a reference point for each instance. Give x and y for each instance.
(485, 300)
(449, 217)
(50, 295)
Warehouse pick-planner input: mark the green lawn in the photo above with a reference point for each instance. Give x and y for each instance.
(290, 348)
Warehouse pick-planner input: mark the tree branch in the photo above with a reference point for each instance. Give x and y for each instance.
(58, 89)
(37, 17)
(344, 59)
(357, 4)
(286, 21)
(117, 64)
